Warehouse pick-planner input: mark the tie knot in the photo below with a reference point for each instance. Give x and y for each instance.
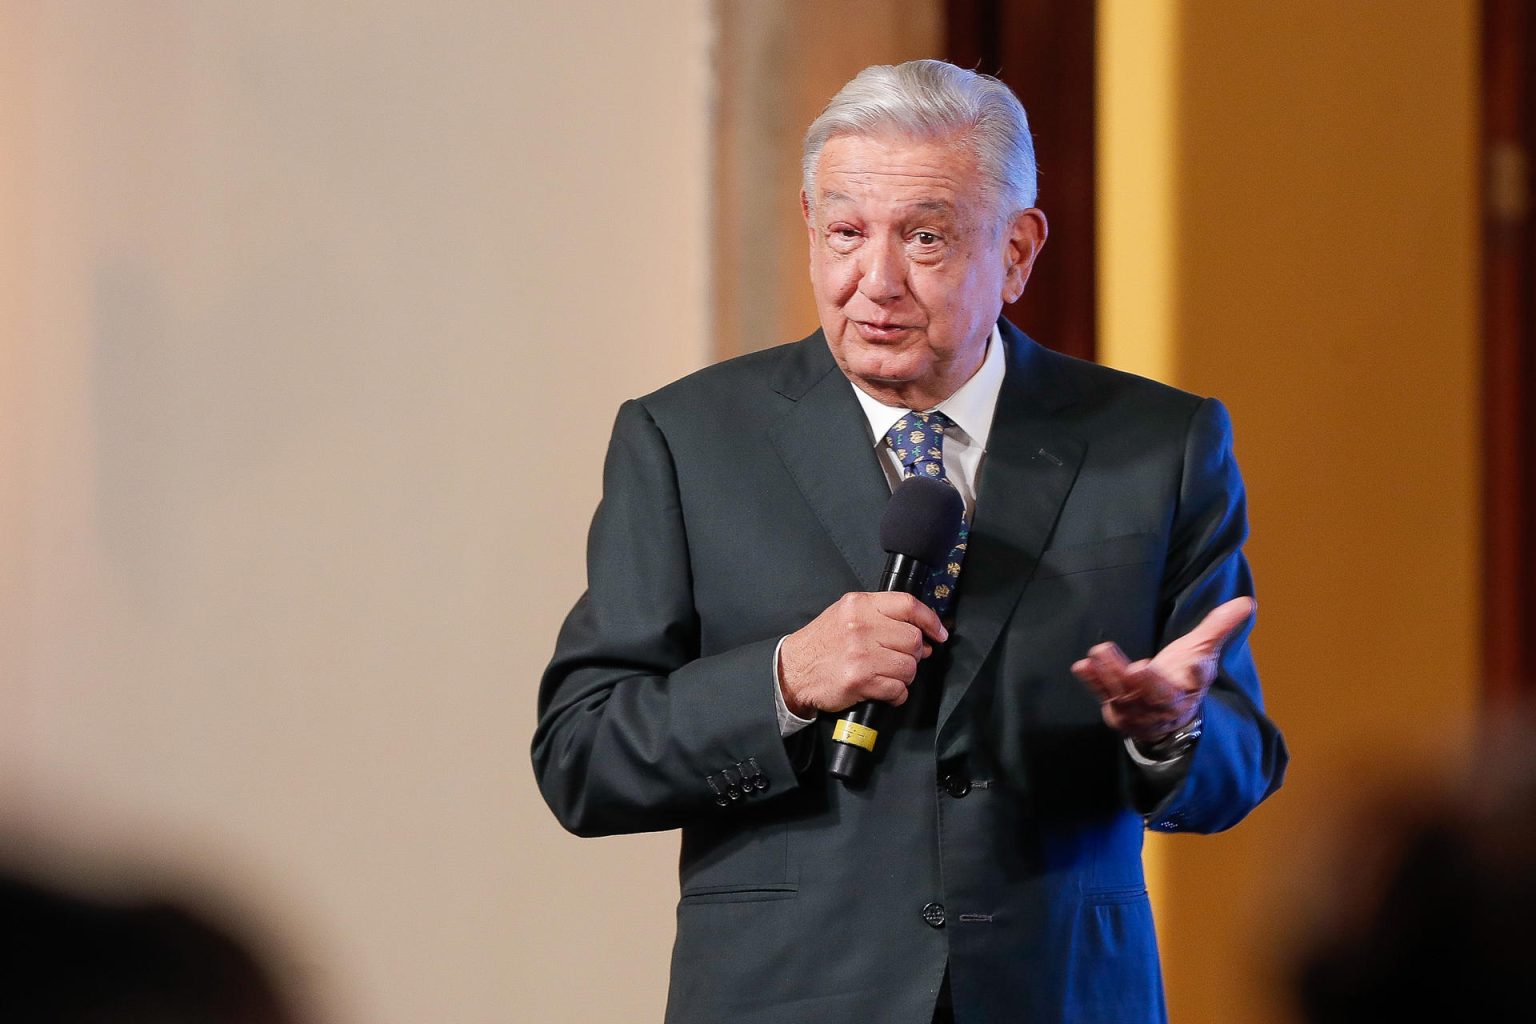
(918, 441)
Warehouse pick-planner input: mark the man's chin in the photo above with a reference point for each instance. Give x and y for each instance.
(886, 380)
(884, 368)
(885, 383)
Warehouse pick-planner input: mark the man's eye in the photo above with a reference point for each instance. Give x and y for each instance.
(926, 238)
(847, 233)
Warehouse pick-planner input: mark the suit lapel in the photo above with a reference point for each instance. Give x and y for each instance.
(824, 442)
(1030, 466)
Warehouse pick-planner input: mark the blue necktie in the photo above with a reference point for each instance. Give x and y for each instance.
(918, 441)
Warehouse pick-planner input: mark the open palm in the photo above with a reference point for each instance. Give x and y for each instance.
(1149, 699)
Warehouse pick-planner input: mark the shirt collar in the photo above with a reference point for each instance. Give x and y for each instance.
(970, 407)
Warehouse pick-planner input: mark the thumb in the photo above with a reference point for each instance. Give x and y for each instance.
(1212, 633)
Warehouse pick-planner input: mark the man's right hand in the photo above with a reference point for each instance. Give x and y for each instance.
(864, 647)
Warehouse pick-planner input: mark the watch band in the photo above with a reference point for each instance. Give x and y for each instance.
(1175, 745)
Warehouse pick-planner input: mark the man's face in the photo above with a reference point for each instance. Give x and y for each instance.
(909, 265)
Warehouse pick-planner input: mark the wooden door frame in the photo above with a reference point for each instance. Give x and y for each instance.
(1509, 337)
(1044, 50)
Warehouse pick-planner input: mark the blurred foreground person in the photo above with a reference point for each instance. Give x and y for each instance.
(1437, 910)
(77, 959)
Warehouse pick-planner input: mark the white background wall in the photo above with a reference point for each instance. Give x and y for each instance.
(313, 321)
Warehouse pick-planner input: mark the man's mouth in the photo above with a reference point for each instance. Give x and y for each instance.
(871, 330)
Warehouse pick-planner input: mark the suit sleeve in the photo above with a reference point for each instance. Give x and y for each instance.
(636, 731)
(1240, 757)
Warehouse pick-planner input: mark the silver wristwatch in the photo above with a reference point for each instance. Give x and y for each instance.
(1174, 745)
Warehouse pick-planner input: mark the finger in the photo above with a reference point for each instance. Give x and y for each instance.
(882, 688)
(908, 640)
(1110, 664)
(1151, 692)
(1089, 675)
(889, 690)
(1147, 697)
(1111, 686)
(890, 664)
(1144, 682)
(1108, 658)
(909, 609)
(1221, 622)
(1132, 683)
(900, 636)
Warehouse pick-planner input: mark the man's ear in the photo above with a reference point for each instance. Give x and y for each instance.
(1025, 238)
(810, 222)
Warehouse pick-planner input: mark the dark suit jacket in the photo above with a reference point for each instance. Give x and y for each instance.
(1001, 829)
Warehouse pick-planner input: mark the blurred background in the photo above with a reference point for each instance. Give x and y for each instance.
(314, 318)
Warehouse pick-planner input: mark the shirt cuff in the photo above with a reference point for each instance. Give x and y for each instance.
(789, 722)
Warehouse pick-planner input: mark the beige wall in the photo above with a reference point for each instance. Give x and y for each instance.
(315, 318)
(1302, 243)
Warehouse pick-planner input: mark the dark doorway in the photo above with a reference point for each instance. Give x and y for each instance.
(1044, 50)
(1509, 336)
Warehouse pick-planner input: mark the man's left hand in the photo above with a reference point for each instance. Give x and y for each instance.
(1150, 699)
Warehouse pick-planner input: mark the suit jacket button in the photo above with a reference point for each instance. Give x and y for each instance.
(956, 785)
(933, 913)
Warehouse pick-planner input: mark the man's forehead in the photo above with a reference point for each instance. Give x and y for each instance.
(924, 175)
(921, 204)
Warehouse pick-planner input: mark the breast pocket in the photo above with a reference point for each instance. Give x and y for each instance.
(1110, 553)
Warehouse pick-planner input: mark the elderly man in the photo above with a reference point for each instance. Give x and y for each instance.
(988, 869)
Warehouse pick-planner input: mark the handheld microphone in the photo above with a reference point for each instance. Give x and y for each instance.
(916, 531)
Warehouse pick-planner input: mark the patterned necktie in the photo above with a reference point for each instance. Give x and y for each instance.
(918, 441)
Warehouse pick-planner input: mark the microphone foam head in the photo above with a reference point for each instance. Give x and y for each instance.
(922, 520)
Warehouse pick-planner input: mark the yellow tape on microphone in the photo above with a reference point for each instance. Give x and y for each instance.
(855, 734)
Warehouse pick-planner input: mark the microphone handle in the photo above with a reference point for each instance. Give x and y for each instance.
(857, 731)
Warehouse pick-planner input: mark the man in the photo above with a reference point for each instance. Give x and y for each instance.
(989, 868)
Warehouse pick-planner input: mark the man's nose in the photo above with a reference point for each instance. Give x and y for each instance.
(884, 277)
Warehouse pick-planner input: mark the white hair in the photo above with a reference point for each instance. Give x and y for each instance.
(931, 99)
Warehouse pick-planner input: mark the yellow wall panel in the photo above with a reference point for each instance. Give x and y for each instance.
(1318, 272)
